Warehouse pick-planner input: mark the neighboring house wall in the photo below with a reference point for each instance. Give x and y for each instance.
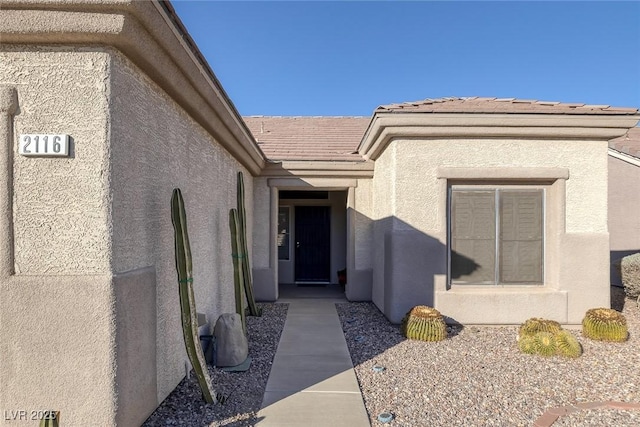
(624, 209)
(89, 311)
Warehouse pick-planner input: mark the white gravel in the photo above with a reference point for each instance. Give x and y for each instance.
(478, 377)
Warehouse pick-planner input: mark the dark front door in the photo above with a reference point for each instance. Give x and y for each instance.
(313, 250)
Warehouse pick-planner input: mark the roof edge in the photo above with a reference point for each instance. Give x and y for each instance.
(150, 35)
(385, 127)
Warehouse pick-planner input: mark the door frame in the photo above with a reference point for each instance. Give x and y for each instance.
(327, 241)
(270, 275)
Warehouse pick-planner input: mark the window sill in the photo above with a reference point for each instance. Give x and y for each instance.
(538, 288)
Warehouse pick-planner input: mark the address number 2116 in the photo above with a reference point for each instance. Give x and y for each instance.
(43, 145)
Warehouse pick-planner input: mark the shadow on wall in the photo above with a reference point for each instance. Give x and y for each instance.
(616, 256)
(407, 264)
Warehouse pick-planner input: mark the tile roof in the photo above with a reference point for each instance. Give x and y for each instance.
(500, 106)
(628, 144)
(308, 138)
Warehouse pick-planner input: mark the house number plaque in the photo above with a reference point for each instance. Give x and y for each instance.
(44, 145)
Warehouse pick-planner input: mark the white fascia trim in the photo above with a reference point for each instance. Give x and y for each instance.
(624, 157)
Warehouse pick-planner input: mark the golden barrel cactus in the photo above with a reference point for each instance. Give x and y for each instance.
(567, 345)
(545, 344)
(424, 323)
(526, 344)
(605, 324)
(547, 338)
(534, 325)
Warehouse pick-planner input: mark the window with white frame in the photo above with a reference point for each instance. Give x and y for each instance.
(284, 233)
(496, 235)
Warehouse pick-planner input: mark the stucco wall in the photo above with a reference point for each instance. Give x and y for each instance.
(384, 199)
(624, 205)
(417, 195)
(264, 257)
(60, 213)
(363, 227)
(155, 148)
(261, 230)
(57, 326)
(411, 219)
(74, 338)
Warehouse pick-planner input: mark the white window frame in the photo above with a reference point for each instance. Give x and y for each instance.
(288, 234)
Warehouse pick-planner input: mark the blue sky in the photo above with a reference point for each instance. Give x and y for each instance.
(346, 58)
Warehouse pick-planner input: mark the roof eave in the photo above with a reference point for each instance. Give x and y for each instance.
(387, 126)
(150, 35)
(316, 169)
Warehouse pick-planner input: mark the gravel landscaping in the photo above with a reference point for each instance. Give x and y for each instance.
(185, 407)
(478, 377)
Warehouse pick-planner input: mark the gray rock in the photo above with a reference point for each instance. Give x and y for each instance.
(232, 346)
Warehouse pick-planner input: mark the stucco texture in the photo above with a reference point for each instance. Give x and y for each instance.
(417, 195)
(60, 208)
(410, 218)
(624, 205)
(363, 226)
(262, 229)
(384, 202)
(57, 348)
(56, 313)
(155, 148)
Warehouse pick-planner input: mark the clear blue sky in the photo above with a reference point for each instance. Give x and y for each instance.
(346, 58)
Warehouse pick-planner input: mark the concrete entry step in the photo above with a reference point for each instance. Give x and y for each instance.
(312, 381)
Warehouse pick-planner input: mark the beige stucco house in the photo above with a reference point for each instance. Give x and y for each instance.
(491, 210)
(484, 208)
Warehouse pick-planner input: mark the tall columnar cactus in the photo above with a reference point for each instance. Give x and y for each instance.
(187, 299)
(605, 324)
(50, 419)
(425, 324)
(246, 267)
(238, 273)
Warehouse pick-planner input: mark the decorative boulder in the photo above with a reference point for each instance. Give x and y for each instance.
(232, 346)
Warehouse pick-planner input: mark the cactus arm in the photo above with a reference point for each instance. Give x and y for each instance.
(242, 231)
(187, 299)
(236, 256)
(50, 419)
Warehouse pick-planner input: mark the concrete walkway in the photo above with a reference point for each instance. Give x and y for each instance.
(312, 382)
